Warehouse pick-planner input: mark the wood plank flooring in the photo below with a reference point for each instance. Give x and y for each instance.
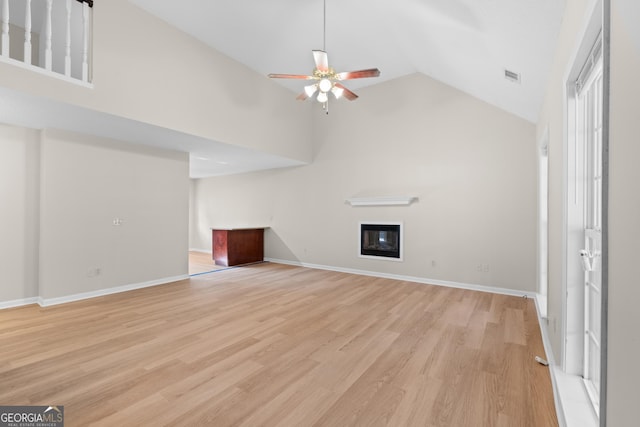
(200, 262)
(273, 345)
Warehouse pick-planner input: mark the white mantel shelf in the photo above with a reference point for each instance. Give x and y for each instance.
(382, 201)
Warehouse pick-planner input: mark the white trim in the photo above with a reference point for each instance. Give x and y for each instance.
(590, 29)
(422, 280)
(382, 201)
(576, 407)
(45, 72)
(203, 251)
(541, 306)
(381, 258)
(18, 302)
(109, 291)
(572, 410)
(546, 343)
(542, 276)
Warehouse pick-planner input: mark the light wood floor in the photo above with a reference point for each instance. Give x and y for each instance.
(200, 262)
(276, 345)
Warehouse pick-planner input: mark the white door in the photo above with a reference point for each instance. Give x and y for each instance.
(590, 105)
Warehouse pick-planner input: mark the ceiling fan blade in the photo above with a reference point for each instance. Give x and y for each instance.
(361, 74)
(290, 76)
(321, 59)
(346, 92)
(302, 97)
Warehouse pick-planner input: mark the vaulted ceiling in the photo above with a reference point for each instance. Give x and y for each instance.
(467, 44)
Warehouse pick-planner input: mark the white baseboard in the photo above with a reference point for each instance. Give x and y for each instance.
(46, 302)
(204, 251)
(422, 280)
(546, 342)
(573, 407)
(541, 306)
(18, 302)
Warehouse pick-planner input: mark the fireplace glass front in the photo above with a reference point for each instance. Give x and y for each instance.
(380, 240)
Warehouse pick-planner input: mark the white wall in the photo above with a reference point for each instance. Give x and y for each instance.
(146, 70)
(19, 198)
(61, 191)
(624, 214)
(86, 183)
(472, 166)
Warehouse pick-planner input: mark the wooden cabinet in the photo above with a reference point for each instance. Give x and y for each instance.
(236, 246)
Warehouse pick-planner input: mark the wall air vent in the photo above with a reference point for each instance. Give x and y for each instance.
(512, 76)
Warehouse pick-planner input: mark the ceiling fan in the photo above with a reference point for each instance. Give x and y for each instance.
(326, 79)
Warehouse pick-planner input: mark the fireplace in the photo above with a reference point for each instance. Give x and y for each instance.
(381, 240)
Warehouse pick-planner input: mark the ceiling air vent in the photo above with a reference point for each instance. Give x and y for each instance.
(512, 76)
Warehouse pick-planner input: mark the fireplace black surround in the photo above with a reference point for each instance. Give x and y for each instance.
(381, 240)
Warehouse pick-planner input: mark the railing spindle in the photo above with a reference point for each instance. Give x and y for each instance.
(67, 51)
(27, 34)
(85, 42)
(5, 28)
(49, 21)
(47, 34)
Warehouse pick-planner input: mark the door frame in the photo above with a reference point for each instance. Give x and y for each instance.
(572, 345)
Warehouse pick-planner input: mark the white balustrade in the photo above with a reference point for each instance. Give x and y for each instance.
(85, 42)
(67, 49)
(27, 33)
(5, 28)
(50, 38)
(47, 34)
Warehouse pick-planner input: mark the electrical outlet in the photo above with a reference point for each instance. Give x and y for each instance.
(482, 268)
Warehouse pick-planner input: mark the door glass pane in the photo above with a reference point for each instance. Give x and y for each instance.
(590, 139)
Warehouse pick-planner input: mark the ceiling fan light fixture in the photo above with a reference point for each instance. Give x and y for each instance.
(337, 92)
(310, 90)
(322, 97)
(325, 85)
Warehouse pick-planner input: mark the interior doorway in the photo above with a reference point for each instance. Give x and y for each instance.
(202, 263)
(543, 222)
